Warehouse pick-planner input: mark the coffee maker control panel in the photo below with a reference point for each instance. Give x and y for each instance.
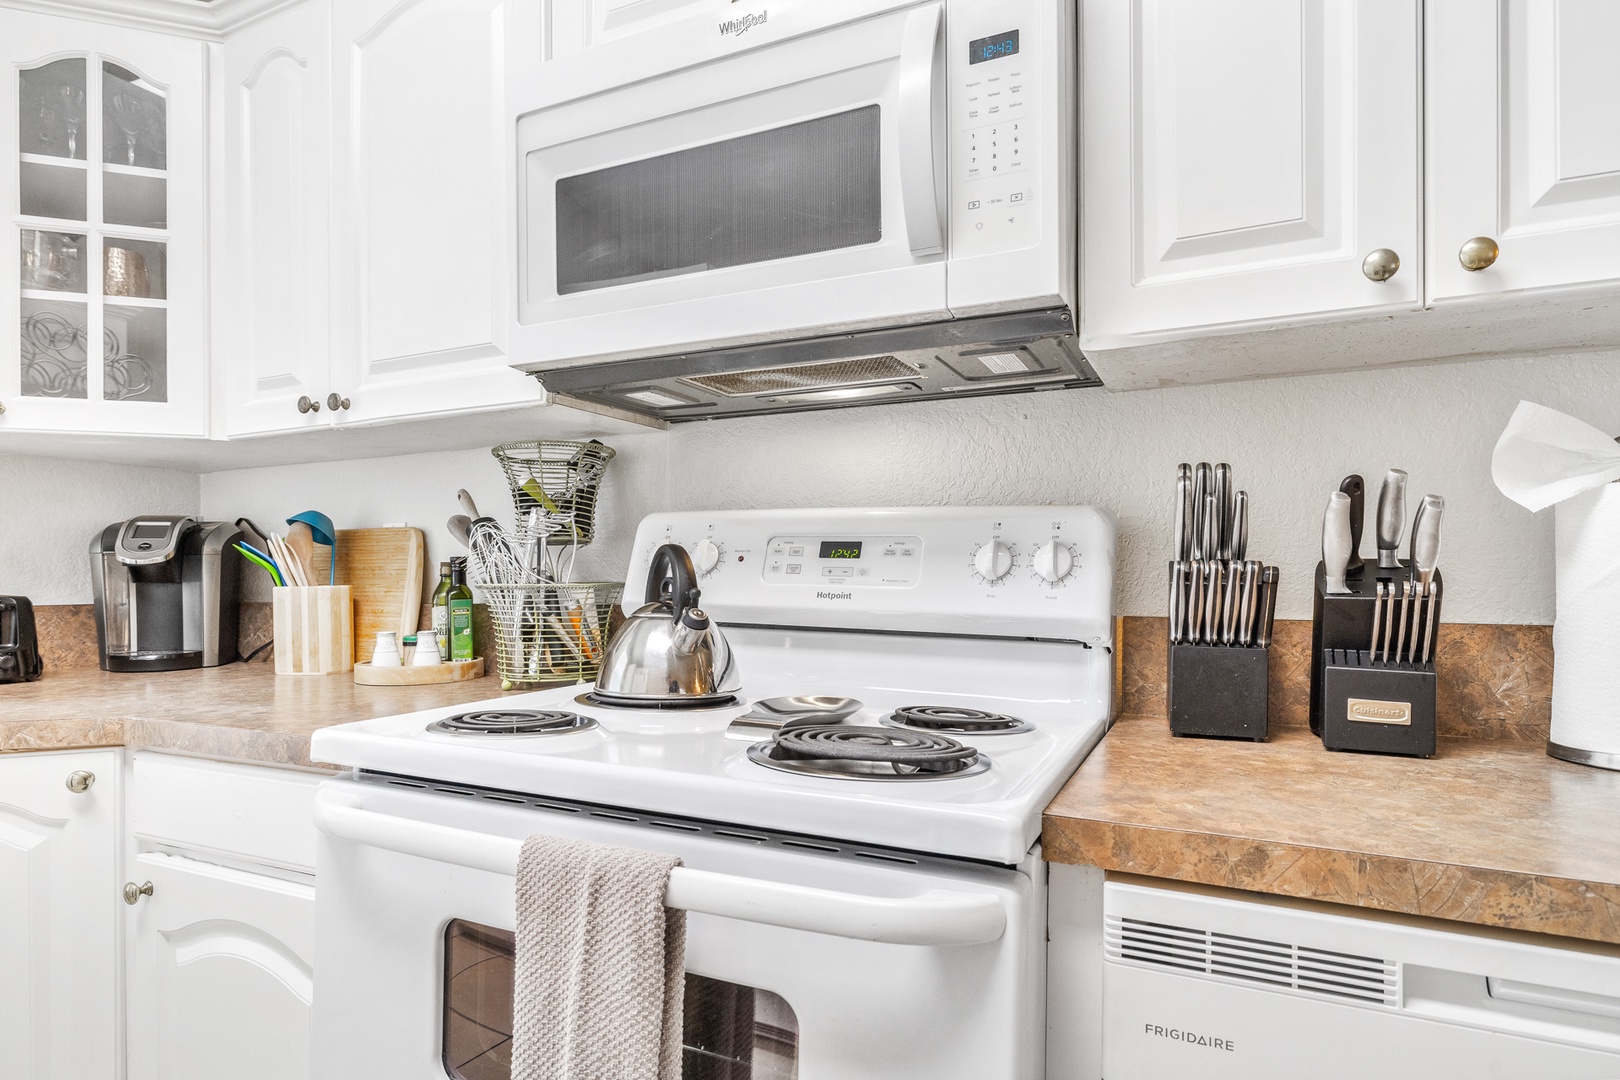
(150, 540)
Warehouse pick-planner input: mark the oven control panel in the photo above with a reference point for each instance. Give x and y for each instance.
(1002, 571)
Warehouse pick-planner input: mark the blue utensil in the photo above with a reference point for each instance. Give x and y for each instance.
(254, 555)
(321, 530)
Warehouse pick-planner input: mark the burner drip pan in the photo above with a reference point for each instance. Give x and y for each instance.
(601, 701)
(952, 720)
(850, 752)
(511, 722)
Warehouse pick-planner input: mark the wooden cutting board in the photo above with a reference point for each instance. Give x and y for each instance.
(383, 569)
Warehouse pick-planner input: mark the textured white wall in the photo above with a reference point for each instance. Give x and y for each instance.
(50, 508)
(1290, 441)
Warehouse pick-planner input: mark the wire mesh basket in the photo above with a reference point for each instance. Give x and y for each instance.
(550, 633)
(554, 486)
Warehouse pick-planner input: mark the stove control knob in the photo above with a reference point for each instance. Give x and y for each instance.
(705, 556)
(1053, 562)
(993, 560)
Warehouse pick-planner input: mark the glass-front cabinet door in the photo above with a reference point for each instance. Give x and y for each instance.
(104, 324)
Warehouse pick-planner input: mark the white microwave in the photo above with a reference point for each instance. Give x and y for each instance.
(773, 205)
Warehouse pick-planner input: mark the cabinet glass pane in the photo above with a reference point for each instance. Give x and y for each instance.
(52, 110)
(53, 348)
(135, 268)
(53, 191)
(135, 364)
(129, 199)
(807, 187)
(134, 118)
(53, 261)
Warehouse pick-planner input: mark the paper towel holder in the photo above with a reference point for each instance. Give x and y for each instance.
(1597, 759)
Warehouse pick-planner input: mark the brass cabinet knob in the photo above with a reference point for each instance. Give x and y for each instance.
(1478, 253)
(80, 782)
(2, 406)
(334, 402)
(305, 405)
(134, 892)
(1381, 265)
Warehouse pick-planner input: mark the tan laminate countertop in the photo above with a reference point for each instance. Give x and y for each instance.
(240, 712)
(1488, 831)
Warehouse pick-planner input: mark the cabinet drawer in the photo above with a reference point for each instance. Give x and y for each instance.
(258, 813)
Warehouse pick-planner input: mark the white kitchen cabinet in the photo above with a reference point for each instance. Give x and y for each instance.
(221, 956)
(422, 264)
(1241, 161)
(272, 340)
(1524, 143)
(58, 915)
(103, 320)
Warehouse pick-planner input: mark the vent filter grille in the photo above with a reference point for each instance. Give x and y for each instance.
(1296, 968)
(822, 375)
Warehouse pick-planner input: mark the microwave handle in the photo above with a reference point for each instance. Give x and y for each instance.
(922, 130)
(936, 917)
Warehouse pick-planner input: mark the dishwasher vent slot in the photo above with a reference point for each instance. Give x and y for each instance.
(1297, 969)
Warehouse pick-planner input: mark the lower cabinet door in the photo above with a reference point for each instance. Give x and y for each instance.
(222, 973)
(58, 915)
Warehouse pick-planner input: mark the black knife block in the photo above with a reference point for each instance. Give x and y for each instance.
(1219, 690)
(1342, 671)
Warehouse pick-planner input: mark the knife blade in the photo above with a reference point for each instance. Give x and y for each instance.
(1425, 560)
(1240, 526)
(1389, 619)
(1434, 608)
(1391, 519)
(1182, 538)
(1402, 600)
(1223, 510)
(1175, 601)
(1336, 543)
(1378, 621)
(1356, 488)
(1268, 606)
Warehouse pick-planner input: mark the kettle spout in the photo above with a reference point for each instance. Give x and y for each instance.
(691, 630)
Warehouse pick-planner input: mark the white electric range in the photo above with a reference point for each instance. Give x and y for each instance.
(882, 919)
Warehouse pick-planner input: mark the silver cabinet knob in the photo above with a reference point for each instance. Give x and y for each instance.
(305, 405)
(1381, 265)
(134, 892)
(80, 782)
(334, 402)
(1478, 253)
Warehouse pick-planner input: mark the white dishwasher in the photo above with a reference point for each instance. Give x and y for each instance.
(1204, 984)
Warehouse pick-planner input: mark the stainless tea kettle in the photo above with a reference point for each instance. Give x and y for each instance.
(668, 652)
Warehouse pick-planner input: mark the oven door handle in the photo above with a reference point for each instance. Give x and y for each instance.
(922, 130)
(936, 917)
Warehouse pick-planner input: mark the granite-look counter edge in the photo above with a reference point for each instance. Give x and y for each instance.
(1489, 831)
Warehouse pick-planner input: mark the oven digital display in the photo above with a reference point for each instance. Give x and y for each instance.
(993, 47)
(840, 549)
(148, 530)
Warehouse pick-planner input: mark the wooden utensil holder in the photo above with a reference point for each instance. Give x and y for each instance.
(1358, 703)
(314, 629)
(1219, 690)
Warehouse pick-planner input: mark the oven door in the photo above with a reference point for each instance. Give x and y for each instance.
(701, 186)
(413, 947)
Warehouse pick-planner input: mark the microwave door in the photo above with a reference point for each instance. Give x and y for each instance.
(762, 195)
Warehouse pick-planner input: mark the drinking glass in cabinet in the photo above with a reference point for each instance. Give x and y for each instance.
(135, 361)
(134, 120)
(53, 261)
(54, 348)
(52, 110)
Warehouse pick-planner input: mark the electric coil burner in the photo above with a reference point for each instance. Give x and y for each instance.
(512, 722)
(848, 752)
(957, 721)
(695, 704)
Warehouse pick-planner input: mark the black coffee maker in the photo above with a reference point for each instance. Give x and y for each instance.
(19, 641)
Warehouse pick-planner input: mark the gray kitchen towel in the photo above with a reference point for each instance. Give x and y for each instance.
(600, 964)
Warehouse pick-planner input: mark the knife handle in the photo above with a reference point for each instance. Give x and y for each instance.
(1336, 543)
(1223, 511)
(1269, 579)
(1182, 535)
(1356, 488)
(1195, 602)
(1240, 526)
(1391, 519)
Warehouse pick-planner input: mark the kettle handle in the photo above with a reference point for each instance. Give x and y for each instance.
(672, 564)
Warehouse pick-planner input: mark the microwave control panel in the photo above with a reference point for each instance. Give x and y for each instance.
(996, 60)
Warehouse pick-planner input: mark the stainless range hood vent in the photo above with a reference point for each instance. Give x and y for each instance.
(964, 357)
(822, 375)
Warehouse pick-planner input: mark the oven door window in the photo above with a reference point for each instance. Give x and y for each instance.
(731, 1032)
(794, 190)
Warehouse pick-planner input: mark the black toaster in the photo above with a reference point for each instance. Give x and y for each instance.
(19, 641)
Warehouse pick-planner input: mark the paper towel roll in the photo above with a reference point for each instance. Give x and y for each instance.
(1586, 633)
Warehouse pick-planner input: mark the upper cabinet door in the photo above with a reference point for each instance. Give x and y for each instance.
(1524, 144)
(1243, 160)
(271, 341)
(422, 254)
(103, 318)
